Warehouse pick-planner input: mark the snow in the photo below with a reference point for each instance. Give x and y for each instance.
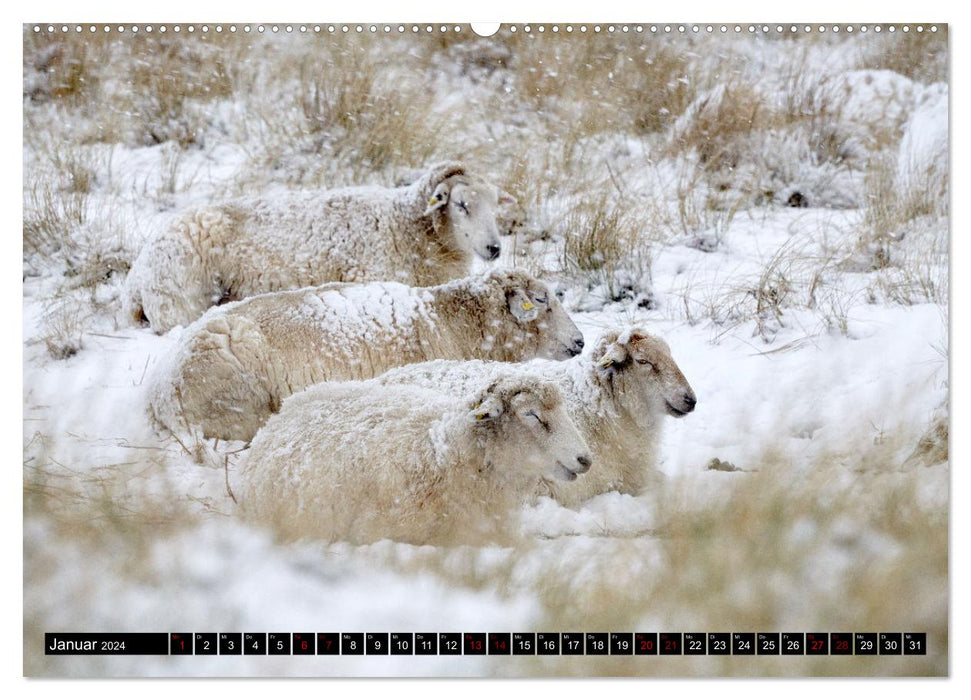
(829, 393)
(924, 146)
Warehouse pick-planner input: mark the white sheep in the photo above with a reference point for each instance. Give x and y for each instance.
(235, 365)
(423, 234)
(617, 395)
(361, 462)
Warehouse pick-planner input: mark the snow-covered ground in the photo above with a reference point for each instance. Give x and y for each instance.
(808, 491)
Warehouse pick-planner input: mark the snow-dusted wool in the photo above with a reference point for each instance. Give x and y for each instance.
(236, 364)
(617, 395)
(423, 234)
(359, 461)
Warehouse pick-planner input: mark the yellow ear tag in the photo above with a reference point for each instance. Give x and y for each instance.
(606, 362)
(527, 306)
(432, 201)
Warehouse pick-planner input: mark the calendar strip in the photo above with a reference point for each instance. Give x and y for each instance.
(489, 643)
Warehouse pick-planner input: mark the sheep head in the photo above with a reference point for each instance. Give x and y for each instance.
(466, 207)
(530, 430)
(537, 312)
(636, 361)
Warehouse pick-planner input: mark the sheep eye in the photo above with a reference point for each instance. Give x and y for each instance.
(541, 300)
(643, 362)
(463, 206)
(543, 423)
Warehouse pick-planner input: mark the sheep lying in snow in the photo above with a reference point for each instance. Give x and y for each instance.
(618, 396)
(237, 363)
(424, 234)
(361, 462)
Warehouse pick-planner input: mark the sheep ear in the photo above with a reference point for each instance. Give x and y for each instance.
(522, 307)
(489, 409)
(616, 354)
(506, 199)
(439, 198)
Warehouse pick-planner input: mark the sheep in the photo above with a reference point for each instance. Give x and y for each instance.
(236, 364)
(617, 395)
(424, 234)
(360, 462)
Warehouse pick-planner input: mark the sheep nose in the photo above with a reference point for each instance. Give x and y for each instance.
(493, 250)
(584, 461)
(578, 342)
(689, 401)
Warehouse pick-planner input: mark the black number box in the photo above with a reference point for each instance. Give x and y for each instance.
(840, 643)
(426, 643)
(915, 643)
(719, 643)
(450, 643)
(206, 643)
(890, 643)
(767, 642)
(376, 642)
(328, 643)
(524, 643)
(670, 643)
(230, 643)
(548, 643)
(180, 643)
(817, 644)
(402, 643)
(621, 643)
(571, 643)
(474, 643)
(597, 643)
(352, 644)
(694, 643)
(645, 643)
(278, 643)
(743, 643)
(254, 643)
(304, 644)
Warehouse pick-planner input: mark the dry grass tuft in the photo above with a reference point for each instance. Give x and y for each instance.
(64, 325)
(596, 84)
(166, 79)
(60, 233)
(129, 500)
(921, 56)
(800, 275)
(899, 238)
(346, 120)
(363, 119)
(602, 245)
(718, 124)
(64, 68)
(50, 219)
